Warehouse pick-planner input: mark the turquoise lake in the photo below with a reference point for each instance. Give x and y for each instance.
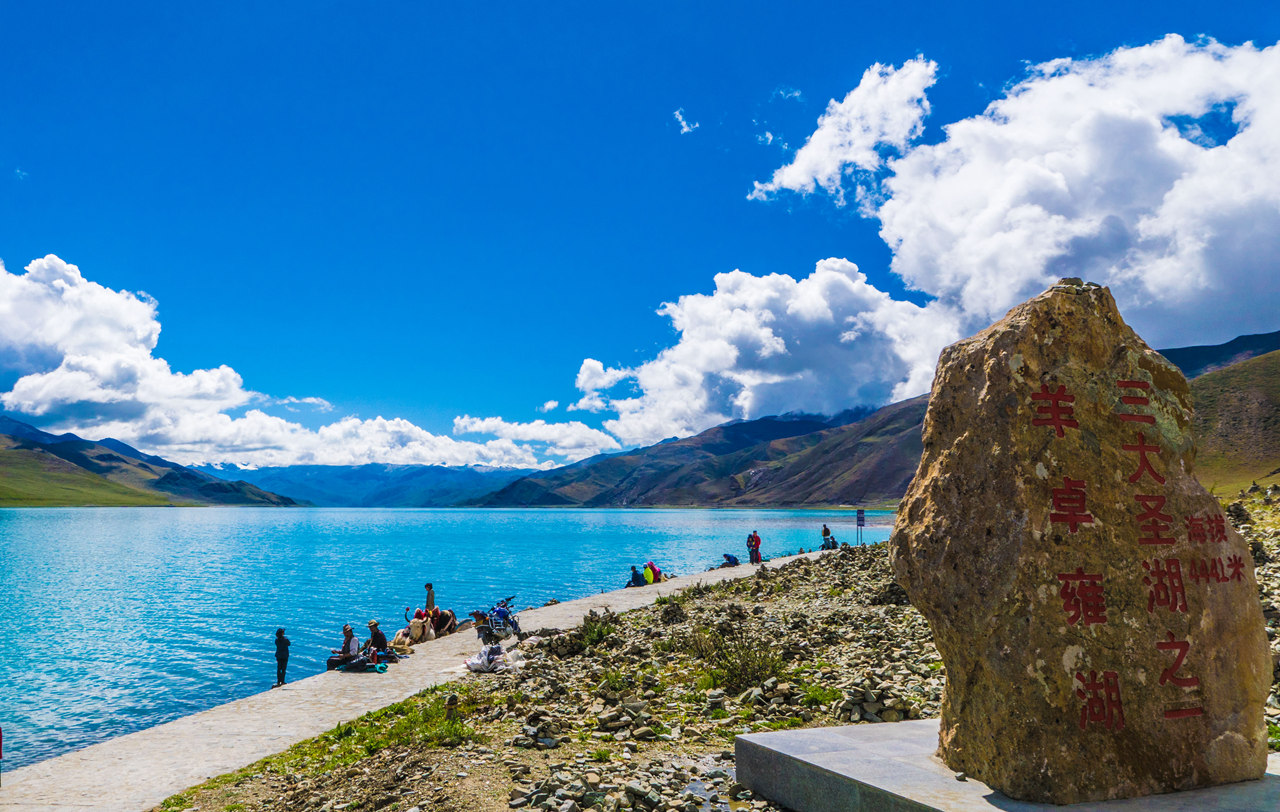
(117, 619)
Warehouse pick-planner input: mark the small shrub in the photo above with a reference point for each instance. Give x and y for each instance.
(596, 628)
(601, 755)
(738, 657)
(815, 695)
(615, 680)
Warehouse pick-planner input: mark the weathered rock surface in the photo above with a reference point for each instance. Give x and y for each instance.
(1097, 615)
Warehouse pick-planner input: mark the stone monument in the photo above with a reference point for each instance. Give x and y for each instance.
(1098, 618)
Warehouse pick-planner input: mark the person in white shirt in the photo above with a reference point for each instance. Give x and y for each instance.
(349, 651)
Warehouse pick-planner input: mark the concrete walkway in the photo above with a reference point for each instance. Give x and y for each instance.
(139, 770)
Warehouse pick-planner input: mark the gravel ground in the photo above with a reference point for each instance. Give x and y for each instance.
(638, 711)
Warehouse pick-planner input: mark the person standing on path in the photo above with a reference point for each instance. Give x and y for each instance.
(282, 656)
(753, 546)
(431, 598)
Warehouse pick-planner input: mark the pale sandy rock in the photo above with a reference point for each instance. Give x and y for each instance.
(1097, 616)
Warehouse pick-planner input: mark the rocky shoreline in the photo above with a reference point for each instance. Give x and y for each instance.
(638, 711)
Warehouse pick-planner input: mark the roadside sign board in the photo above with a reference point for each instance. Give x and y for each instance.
(862, 518)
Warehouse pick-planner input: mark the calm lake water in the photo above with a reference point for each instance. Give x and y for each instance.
(117, 619)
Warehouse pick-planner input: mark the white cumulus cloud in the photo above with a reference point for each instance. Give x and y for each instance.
(1150, 169)
(573, 440)
(84, 359)
(764, 345)
(1106, 169)
(886, 109)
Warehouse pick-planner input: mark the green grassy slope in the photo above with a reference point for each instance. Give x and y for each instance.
(34, 478)
(1237, 422)
(40, 469)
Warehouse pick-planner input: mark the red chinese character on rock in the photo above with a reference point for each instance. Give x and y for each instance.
(1144, 464)
(1082, 597)
(1101, 700)
(1135, 400)
(1068, 505)
(1055, 409)
(1236, 564)
(1152, 522)
(1165, 587)
(1170, 674)
(1217, 526)
(1197, 533)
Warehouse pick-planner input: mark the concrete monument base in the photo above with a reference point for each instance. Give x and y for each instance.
(892, 768)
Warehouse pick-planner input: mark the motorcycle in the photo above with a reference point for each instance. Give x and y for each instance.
(498, 624)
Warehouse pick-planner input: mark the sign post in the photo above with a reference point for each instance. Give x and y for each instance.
(862, 522)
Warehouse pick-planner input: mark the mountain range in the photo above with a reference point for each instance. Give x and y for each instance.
(860, 457)
(780, 461)
(871, 461)
(38, 468)
(376, 485)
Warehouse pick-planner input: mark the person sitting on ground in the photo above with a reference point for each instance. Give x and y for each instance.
(377, 640)
(657, 573)
(349, 652)
(730, 560)
(637, 578)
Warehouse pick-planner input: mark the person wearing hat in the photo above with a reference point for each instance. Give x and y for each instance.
(349, 651)
(377, 640)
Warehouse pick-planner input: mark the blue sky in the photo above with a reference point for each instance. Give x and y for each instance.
(423, 212)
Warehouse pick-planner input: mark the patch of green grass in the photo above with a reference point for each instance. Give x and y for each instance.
(783, 724)
(936, 665)
(421, 720)
(663, 600)
(1273, 736)
(31, 478)
(815, 695)
(718, 713)
(602, 755)
(616, 680)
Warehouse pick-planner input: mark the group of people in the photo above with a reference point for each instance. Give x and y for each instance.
(427, 623)
(828, 539)
(354, 656)
(650, 575)
(431, 622)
